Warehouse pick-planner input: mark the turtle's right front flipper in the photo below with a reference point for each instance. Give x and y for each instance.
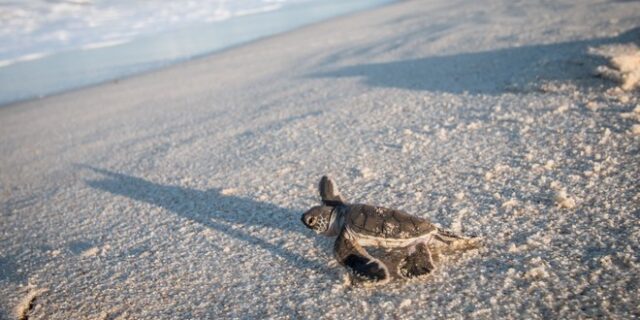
(356, 259)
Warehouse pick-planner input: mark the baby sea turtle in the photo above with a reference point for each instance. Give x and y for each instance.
(359, 225)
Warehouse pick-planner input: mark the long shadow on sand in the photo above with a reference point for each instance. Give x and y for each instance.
(489, 72)
(234, 216)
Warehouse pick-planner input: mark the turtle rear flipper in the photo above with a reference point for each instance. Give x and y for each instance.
(457, 242)
(355, 258)
(417, 263)
(329, 193)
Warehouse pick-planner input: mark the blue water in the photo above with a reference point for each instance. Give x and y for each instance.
(66, 45)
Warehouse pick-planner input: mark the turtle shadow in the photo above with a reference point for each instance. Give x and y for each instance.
(237, 217)
(494, 72)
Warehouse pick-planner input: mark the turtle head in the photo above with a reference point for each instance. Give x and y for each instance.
(321, 219)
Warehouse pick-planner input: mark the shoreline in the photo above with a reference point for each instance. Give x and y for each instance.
(337, 10)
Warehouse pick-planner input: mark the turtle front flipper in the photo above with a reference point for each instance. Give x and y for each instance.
(355, 258)
(329, 193)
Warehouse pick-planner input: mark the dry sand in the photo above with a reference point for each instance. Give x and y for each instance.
(177, 194)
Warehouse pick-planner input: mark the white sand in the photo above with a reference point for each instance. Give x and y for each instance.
(177, 194)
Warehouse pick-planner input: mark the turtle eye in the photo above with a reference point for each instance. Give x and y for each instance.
(311, 221)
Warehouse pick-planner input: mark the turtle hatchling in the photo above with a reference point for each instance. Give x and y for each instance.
(359, 225)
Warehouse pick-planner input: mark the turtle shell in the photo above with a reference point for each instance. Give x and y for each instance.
(385, 223)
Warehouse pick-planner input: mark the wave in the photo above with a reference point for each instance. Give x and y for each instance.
(103, 44)
(23, 58)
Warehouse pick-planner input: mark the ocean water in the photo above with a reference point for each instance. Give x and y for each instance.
(49, 46)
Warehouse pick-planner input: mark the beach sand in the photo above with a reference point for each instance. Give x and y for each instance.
(177, 194)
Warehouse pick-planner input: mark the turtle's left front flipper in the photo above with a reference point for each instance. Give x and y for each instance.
(355, 258)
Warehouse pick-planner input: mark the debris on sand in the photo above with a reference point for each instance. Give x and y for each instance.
(21, 311)
(624, 65)
(563, 200)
